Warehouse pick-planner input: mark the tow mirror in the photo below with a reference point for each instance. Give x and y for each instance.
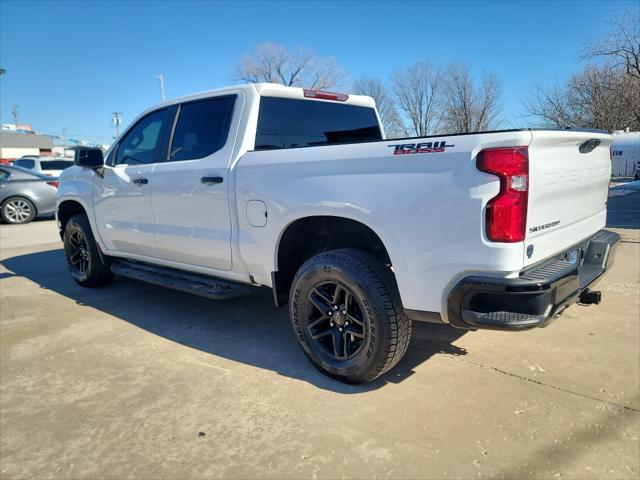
(89, 158)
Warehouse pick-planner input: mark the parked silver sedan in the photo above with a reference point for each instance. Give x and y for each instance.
(24, 194)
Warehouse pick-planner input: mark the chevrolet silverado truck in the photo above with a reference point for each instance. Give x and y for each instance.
(299, 191)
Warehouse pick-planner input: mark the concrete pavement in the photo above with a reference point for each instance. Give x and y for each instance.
(134, 380)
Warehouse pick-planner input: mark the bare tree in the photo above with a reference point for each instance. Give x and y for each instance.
(467, 107)
(273, 63)
(596, 97)
(621, 47)
(605, 95)
(416, 91)
(385, 104)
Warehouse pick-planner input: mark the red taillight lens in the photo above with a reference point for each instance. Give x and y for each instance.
(339, 97)
(54, 183)
(507, 211)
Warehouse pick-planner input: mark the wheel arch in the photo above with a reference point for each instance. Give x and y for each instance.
(67, 209)
(307, 236)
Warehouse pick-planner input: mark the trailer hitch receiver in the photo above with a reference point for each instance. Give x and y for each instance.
(589, 297)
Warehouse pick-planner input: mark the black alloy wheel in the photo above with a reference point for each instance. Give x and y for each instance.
(87, 265)
(336, 323)
(347, 315)
(78, 255)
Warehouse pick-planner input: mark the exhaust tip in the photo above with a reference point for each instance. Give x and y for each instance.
(591, 297)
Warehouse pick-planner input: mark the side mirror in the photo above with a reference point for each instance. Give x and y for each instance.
(89, 158)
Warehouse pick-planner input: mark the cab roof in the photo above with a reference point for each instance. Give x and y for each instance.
(274, 90)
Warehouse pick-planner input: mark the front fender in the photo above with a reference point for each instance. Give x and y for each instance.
(76, 184)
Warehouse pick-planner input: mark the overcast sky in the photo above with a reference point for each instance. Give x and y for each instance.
(71, 64)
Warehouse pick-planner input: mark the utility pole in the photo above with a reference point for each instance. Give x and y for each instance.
(64, 142)
(14, 112)
(117, 120)
(161, 79)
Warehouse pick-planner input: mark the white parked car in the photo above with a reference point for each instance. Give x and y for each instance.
(50, 166)
(297, 190)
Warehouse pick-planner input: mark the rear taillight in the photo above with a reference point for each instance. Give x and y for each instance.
(55, 183)
(338, 97)
(507, 211)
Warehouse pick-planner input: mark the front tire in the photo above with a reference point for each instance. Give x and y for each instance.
(84, 261)
(18, 210)
(347, 315)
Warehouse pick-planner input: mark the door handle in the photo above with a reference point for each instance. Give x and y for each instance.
(140, 181)
(211, 180)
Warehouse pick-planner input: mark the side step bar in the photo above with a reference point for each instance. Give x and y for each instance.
(202, 285)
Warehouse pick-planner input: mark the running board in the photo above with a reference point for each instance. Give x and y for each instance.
(202, 285)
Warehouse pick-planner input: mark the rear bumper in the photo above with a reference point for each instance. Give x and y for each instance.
(538, 295)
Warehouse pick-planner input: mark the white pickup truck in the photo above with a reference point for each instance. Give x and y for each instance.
(298, 190)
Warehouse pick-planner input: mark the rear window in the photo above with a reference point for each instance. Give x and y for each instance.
(291, 123)
(202, 128)
(25, 163)
(55, 164)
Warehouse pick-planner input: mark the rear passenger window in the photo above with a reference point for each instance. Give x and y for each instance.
(202, 128)
(290, 123)
(25, 163)
(55, 164)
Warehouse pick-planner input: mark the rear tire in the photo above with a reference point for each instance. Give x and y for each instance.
(18, 210)
(85, 263)
(346, 312)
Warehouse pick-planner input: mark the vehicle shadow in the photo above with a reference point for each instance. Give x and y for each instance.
(250, 330)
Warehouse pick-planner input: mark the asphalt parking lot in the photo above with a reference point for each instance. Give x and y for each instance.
(134, 380)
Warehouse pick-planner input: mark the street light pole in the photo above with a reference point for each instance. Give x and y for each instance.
(161, 79)
(117, 120)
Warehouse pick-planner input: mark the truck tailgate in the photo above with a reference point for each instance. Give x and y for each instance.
(569, 173)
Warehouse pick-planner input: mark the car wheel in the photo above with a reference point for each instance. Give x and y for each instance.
(347, 315)
(18, 210)
(85, 263)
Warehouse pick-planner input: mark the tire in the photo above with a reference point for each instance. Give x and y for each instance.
(373, 335)
(85, 263)
(18, 210)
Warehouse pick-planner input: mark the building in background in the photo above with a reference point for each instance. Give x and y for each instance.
(625, 153)
(15, 144)
(23, 128)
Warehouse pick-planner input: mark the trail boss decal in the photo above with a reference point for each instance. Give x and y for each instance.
(423, 147)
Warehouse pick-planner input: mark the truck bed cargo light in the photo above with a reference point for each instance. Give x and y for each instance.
(339, 97)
